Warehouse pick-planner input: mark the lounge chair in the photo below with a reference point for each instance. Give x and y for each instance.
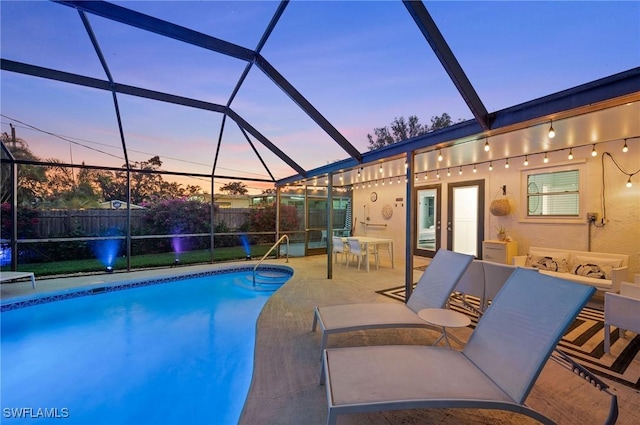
(495, 370)
(8, 276)
(432, 291)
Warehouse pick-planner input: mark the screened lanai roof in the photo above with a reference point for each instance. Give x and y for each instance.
(274, 91)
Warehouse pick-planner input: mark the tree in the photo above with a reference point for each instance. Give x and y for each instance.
(235, 188)
(31, 178)
(403, 129)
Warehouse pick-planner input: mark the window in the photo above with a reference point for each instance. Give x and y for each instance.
(553, 193)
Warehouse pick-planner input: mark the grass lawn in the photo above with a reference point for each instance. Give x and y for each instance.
(140, 261)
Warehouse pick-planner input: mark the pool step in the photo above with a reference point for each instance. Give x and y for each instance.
(266, 280)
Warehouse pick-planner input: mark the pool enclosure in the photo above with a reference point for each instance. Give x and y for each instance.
(122, 122)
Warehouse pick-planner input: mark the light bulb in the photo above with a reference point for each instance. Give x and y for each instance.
(460, 171)
(439, 155)
(438, 174)
(625, 148)
(448, 173)
(552, 132)
(594, 152)
(546, 158)
(486, 146)
(506, 164)
(526, 160)
(426, 176)
(475, 170)
(570, 153)
(380, 169)
(629, 182)
(490, 166)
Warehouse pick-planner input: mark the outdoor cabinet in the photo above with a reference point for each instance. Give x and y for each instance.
(499, 251)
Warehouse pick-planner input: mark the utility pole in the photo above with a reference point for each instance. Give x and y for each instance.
(13, 136)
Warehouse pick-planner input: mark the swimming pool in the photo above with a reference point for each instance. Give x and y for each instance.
(168, 351)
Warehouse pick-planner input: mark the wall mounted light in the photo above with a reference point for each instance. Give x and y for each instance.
(570, 153)
(594, 152)
(546, 158)
(552, 132)
(439, 155)
(625, 148)
(486, 145)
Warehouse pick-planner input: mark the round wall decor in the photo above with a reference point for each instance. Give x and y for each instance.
(374, 197)
(387, 211)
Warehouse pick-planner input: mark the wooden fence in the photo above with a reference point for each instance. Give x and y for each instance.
(100, 222)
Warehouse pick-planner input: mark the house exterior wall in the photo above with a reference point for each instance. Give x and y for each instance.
(619, 234)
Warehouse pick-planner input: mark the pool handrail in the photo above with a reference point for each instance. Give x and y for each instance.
(269, 252)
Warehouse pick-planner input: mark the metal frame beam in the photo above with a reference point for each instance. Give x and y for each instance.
(177, 32)
(51, 74)
(430, 30)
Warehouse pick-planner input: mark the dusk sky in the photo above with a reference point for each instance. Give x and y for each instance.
(360, 63)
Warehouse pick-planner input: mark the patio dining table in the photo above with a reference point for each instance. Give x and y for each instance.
(367, 241)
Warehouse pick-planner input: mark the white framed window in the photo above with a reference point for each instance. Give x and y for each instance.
(553, 193)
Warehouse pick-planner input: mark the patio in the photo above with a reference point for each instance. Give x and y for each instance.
(285, 386)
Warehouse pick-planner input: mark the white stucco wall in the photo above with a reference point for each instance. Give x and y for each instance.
(620, 233)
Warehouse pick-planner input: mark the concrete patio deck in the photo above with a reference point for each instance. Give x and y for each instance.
(285, 389)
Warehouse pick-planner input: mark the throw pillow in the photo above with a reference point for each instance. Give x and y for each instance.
(584, 259)
(548, 263)
(592, 270)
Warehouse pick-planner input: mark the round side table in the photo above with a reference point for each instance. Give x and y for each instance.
(445, 318)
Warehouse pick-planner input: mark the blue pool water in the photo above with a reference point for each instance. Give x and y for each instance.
(171, 353)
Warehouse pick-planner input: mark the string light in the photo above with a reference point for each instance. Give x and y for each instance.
(426, 176)
(405, 164)
(506, 164)
(448, 172)
(490, 166)
(475, 170)
(526, 160)
(594, 152)
(552, 132)
(438, 174)
(625, 148)
(629, 182)
(380, 168)
(570, 153)
(440, 155)
(486, 145)
(546, 158)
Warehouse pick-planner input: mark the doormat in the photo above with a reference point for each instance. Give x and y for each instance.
(583, 341)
